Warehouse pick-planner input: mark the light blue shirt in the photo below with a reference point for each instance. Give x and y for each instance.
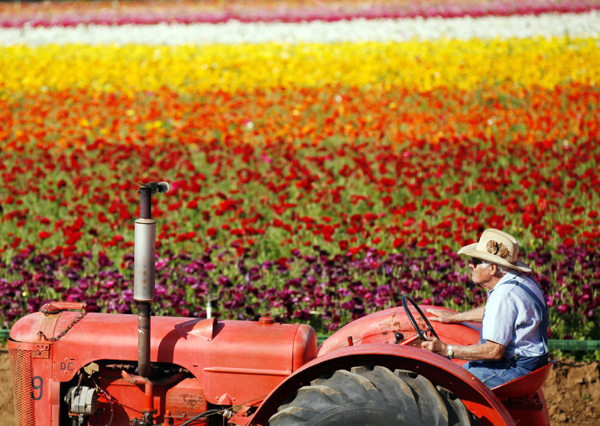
(512, 319)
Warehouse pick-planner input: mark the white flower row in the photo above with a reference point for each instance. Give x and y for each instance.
(233, 32)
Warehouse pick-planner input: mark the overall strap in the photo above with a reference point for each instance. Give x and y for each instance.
(542, 308)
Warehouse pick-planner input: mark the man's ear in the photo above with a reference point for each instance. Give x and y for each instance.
(493, 269)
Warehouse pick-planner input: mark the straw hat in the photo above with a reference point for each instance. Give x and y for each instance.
(497, 247)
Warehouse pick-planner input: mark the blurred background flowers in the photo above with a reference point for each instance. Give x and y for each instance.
(324, 157)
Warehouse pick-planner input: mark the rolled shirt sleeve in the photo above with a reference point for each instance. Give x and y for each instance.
(500, 316)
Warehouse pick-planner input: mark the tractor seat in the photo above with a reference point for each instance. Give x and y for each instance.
(525, 385)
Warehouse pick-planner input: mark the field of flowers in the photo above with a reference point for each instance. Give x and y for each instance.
(323, 159)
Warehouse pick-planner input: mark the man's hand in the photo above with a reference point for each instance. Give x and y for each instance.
(488, 351)
(445, 317)
(435, 345)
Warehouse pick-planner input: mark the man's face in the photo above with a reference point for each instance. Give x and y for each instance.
(481, 273)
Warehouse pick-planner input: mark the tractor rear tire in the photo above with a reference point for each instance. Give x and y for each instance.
(374, 397)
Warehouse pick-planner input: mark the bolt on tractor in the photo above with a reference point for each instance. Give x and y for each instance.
(77, 368)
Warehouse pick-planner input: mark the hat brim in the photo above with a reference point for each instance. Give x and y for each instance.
(471, 250)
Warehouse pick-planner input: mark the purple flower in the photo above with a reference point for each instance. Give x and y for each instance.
(224, 281)
(104, 261)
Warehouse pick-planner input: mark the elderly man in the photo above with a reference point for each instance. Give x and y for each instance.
(514, 321)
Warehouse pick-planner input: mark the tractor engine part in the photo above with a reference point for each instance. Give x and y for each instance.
(149, 411)
(184, 400)
(82, 400)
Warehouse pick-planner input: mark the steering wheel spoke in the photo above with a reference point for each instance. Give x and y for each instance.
(420, 332)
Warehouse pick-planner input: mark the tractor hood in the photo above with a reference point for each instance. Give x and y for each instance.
(227, 357)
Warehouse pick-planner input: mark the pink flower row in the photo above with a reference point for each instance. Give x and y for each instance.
(67, 14)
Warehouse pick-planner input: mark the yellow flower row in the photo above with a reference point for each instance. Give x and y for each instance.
(415, 65)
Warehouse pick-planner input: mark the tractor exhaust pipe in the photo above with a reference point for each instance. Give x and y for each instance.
(143, 273)
(143, 276)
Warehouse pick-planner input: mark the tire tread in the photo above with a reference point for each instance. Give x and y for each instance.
(415, 399)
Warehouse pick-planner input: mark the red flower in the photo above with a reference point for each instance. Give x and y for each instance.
(73, 237)
(186, 236)
(79, 223)
(16, 242)
(354, 250)
(102, 217)
(424, 242)
(527, 219)
(175, 206)
(44, 234)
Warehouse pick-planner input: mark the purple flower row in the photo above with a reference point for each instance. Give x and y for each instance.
(47, 15)
(338, 287)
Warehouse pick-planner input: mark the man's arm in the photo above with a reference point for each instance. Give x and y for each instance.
(488, 351)
(447, 317)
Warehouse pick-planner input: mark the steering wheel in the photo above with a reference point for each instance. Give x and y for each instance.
(420, 332)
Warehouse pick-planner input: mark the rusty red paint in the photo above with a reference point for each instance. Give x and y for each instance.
(185, 400)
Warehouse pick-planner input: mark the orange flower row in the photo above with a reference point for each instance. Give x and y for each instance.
(505, 114)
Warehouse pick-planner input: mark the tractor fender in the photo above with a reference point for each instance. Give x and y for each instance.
(476, 396)
(380, 327)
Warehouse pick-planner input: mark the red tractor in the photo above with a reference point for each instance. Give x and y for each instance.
(73, 368)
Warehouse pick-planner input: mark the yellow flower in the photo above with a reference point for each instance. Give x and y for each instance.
(416, 65)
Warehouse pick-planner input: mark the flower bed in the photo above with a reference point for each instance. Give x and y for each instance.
(372, 66)
(327, 176)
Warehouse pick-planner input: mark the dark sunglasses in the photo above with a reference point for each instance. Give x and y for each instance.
(476, 261)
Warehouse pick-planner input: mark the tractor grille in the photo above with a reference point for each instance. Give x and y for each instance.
(22, 376)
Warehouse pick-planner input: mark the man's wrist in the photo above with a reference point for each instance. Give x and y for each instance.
(449, 351)
(459, 317)
(443, 350)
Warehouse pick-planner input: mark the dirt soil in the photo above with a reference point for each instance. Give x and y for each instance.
(572, 392)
